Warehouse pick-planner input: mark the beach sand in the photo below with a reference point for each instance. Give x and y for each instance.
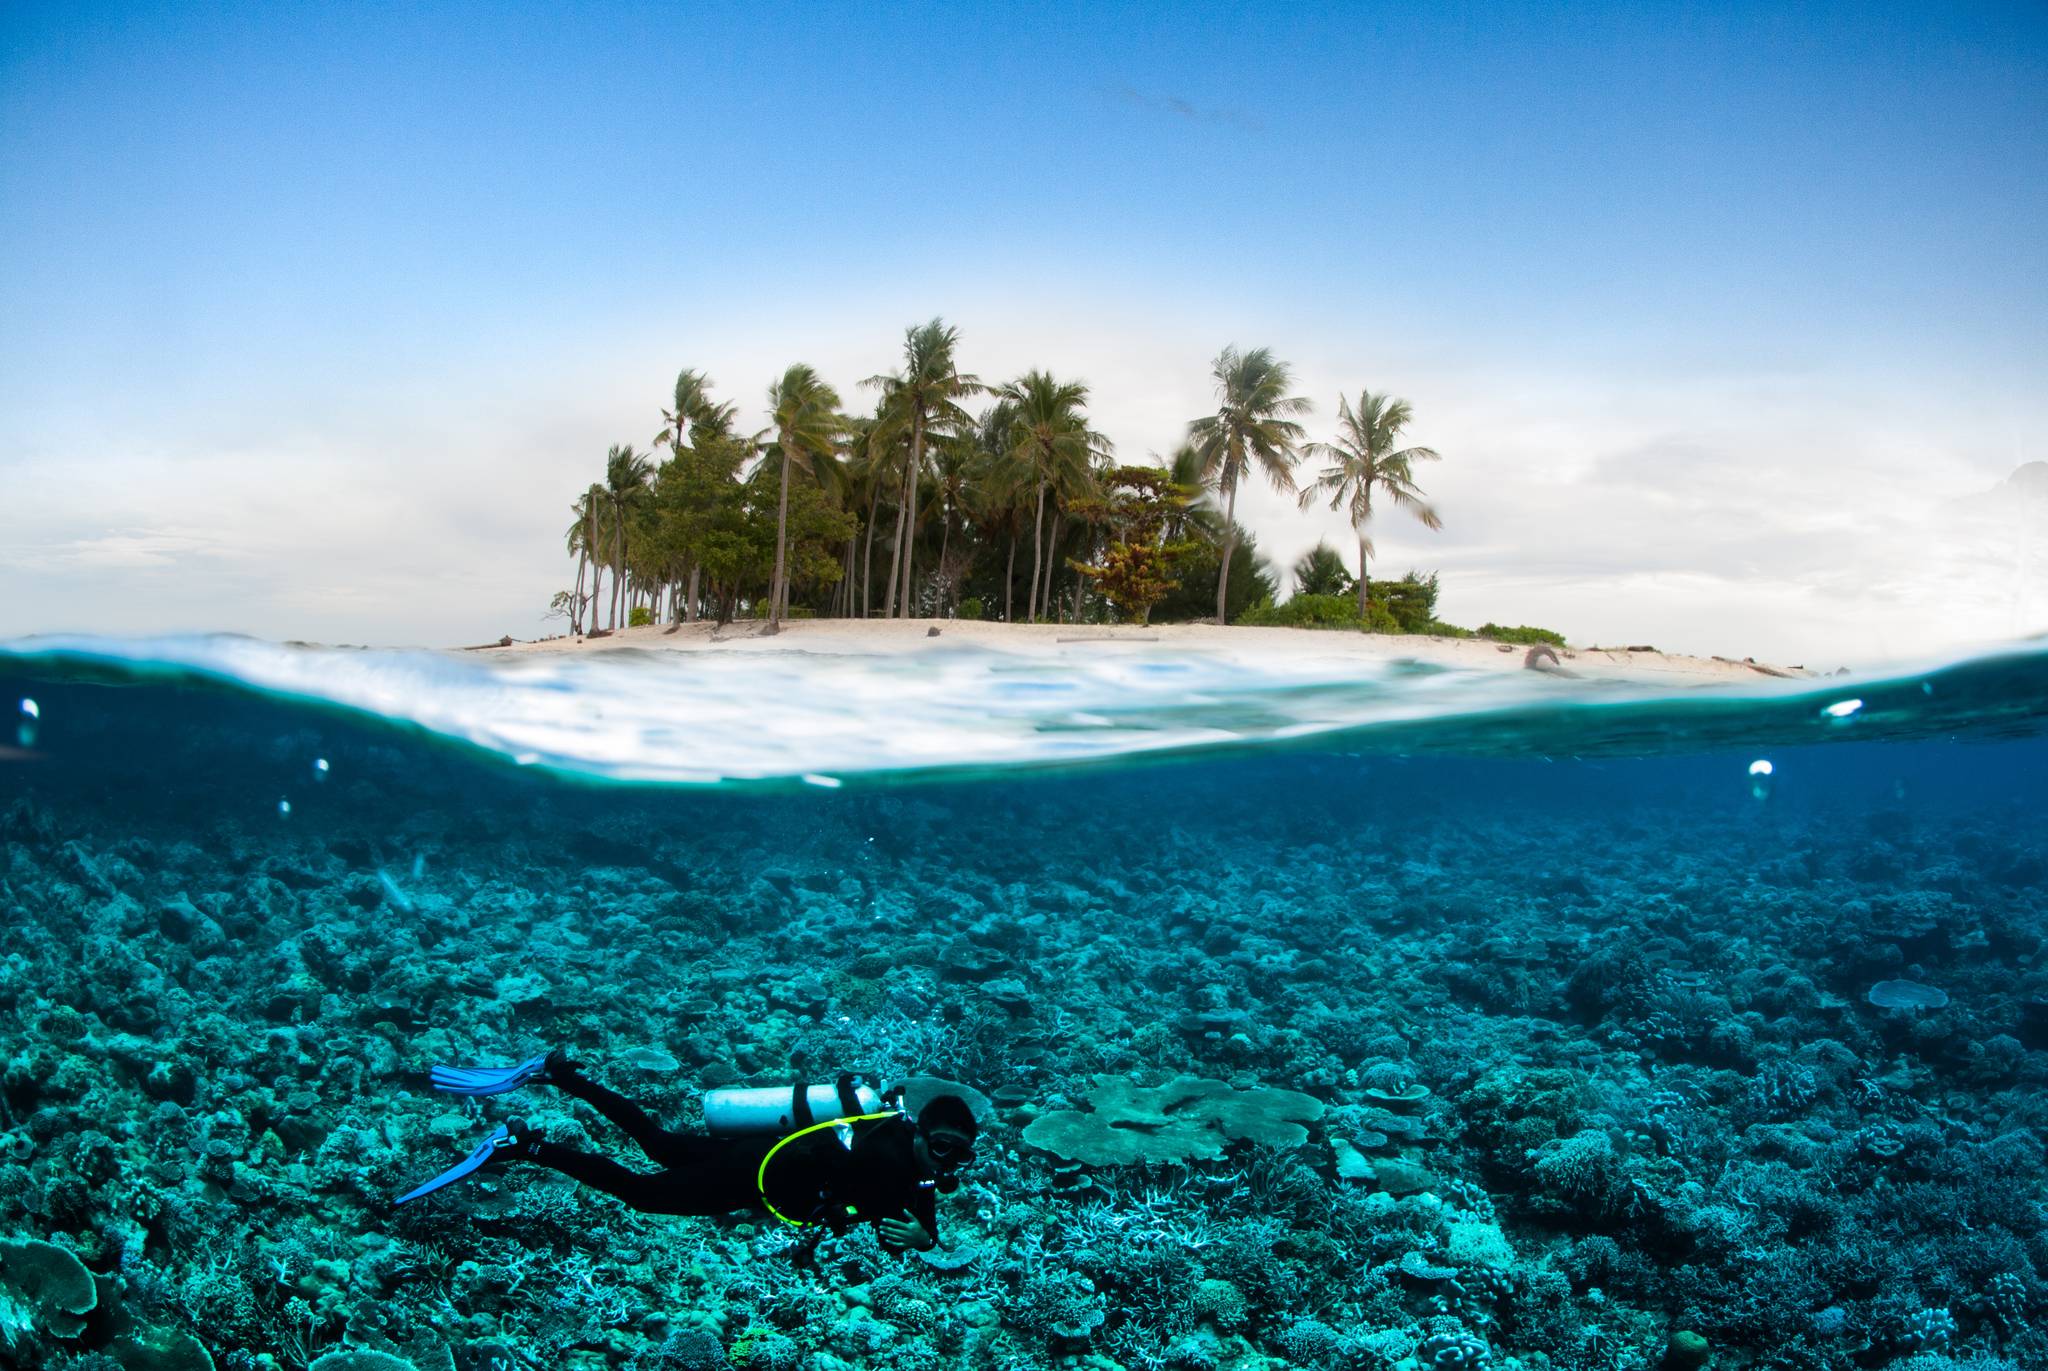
(864, 637)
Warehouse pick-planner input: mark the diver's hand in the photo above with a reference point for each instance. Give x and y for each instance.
(897, 1234)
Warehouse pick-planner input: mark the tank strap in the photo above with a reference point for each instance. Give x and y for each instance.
(849, 1093)
(800, 1105)
(761, 1176)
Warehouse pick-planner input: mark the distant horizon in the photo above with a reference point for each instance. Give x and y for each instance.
(312, 325)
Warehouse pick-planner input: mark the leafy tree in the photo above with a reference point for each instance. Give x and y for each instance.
(694, 417)
(1363, 461)
(1320, 571)
(919, 401)
(1132, 572)
(805, 412)
(1253, 423)
(695, 493)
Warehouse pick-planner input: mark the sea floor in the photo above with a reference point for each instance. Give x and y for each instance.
(1531, 1062)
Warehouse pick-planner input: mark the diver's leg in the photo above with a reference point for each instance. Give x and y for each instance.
(659, 1192)
(661, 1146)
(662, 1191)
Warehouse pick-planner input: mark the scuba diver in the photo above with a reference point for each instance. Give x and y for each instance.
(811, 1155)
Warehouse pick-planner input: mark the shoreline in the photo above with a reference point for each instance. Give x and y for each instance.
(903, 637)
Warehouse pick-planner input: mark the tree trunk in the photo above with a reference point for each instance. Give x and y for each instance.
(895, 566)
(690, 604)
(1009, 581)
(945, 543)
(576, 596)
(1037, 552)
(1364, 586)
(777, 587)
(911, 471)
(1080, 589)
(1229, 547)
(619, 551)
(1052, 548)
(867, 560)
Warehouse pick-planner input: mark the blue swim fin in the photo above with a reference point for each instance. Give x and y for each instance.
(488, 1080)
(473, 1162)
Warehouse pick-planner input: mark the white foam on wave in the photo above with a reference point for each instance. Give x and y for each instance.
(704, 717)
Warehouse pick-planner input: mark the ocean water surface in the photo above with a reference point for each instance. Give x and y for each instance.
(1319, 1017)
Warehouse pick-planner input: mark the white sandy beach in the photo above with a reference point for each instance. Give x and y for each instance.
(863, 637)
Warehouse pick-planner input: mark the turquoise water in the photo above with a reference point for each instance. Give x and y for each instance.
(1552, 1027)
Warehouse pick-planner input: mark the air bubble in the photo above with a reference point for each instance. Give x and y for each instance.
(1761, 767)
(1842, 709)
(284, 809)
(320, 768)
(31, 708)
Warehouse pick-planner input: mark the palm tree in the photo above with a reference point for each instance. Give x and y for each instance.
(592, 508)
(1363, 460)
(1251, 423)
(625, 483)
(955, 468)
(869, 462)
(995, 490)
(1049, 437)
(920, 400)
(805, 413)
(582, 540)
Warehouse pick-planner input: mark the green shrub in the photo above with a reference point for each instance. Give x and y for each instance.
(1444, 630)
(1411, 600)
(1521, 633)
(970, 608)
(640, 617)
(1303, 611)
(1321, 611)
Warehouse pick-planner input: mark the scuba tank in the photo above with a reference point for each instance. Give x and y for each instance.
(784, 1108)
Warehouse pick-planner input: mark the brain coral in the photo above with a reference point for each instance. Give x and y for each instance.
(1186, 1119)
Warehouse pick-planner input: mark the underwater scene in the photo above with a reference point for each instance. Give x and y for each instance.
(1410, 1022)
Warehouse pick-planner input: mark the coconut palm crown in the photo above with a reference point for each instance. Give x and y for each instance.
(695, 411)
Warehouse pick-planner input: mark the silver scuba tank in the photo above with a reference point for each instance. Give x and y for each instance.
(775, 1108)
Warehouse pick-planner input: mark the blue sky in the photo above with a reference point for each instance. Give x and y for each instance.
(312, 320)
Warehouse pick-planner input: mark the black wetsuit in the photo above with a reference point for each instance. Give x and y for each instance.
(818, 1178)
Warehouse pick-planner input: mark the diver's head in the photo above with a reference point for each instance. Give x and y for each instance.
(946, 1129)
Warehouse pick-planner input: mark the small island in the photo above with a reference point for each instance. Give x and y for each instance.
(995, 513)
